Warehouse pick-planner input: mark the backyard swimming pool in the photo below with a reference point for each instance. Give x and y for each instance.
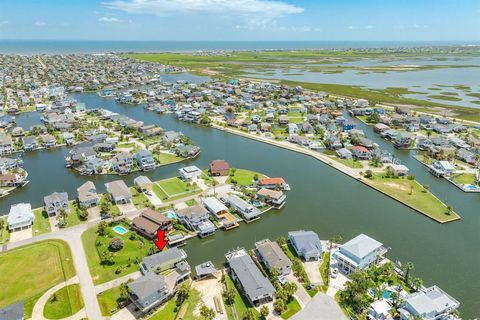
(170, 214)
(120, 230)
(386, 294)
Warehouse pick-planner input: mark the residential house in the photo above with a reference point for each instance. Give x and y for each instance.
(48, 141)
(361, 153)
(273, 183)
(292, 128)
(149, 221)
(20, 217)
(254, 285)
(466, 156)
(145, 160)
(163, 261)
(398, 170)
(87, 195)
(6, 144)
(270, 253)
(306, 244)
(344, 153)
(442, 168)
(196, 219)
(359, 253)
(272, 197)
(403, 140)
(283, 119)
(190, 173)
(220, 212)
(144, 183)
(122, 163)
(119, 192)
(55, 202)
(219, 168)
(379, 310)
(205, 270)
(246, 210)
(29, 143)
(429, 304)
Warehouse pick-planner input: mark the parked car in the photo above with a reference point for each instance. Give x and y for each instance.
(334, 273)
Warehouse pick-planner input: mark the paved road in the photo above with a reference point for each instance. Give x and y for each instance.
(321, 307)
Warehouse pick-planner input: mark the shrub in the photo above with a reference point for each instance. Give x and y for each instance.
(116, 244)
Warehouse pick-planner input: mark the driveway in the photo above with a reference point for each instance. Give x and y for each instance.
(303, 297)
(312, 268)
(321, 307)
(117, 282)
(126, 208)
(153, 199)
(21, 235)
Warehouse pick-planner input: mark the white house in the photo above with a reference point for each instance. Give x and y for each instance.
(190, 172)
(430, 304)
(379, 310)
(20, 217)
(359, 253)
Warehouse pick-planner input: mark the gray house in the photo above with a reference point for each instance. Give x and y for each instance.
(273, 256)
(306, 244)
(149, 291)
(159, 262)
(87, 195)
(256, 288)
(430, 304)
(247, 211)
(196, 219)
(55, 202)
(119, 192)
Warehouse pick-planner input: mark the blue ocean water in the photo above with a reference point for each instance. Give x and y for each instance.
(28, 47)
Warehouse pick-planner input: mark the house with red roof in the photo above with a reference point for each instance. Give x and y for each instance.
(361, 153)
(219, 168)
(272, 183)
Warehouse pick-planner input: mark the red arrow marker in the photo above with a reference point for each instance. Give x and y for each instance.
(160, 242)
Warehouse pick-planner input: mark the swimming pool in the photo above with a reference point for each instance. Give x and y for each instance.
(170, 214)
(120, 230)
(386, 294)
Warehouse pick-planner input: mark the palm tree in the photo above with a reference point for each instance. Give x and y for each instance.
(407, 268)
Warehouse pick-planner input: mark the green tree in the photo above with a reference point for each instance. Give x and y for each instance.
(290, 288)
(279, 306)
(355, 294)
(407, 269)
(182, 293)
(249, 315)
(264, 312)
(230, 295)
(207, 313)
(102, 228)
(281, 241)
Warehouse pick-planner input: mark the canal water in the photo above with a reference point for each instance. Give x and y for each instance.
(322, 199)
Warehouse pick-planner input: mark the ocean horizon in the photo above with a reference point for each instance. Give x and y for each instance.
(30, 47)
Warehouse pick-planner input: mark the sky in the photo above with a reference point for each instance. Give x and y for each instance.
(241, 20)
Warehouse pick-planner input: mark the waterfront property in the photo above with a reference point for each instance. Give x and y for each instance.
(219, 168)
(149, 291)
(256, 288)
(359, 253)
(430, 304)
(246, 210)
(306, 244)
(55, 203)
(144, 183)
(273, 256)
(205, 270)
(220, 212)
(20, 217)
(196, 219)
(190, 173)
(119, 192)
(87, 195)
(272, 197)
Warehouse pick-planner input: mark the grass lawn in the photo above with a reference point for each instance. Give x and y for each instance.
(290, 251)
(126, 145)
(174, 188)
(4, 234)
(413, 194)
(167, 158)
(112, 208)
(348, 162)
(464, 178)
(187, 308)
(124, 259)
(72, 217)
(324, 271)
(292, 308)
(139, 199)
(67, 302)
(41, 222)
(29, 283)
(109, 300)
(241, 304)
(243, 177)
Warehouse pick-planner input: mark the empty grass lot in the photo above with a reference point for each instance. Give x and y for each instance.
(292, 308)
(27, 272)
(187, 308)
(174, 188)
(243, 177)
(4, 234)
(413, 194)
(348, 162)
(64, 303)
(95, 245)
(464, 178)
(41, 223)
(109, 300)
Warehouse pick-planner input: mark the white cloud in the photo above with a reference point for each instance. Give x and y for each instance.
(39, 23)
(352, 27)
(369, 27)
(108, 19)
(4, 22)
(259, 8)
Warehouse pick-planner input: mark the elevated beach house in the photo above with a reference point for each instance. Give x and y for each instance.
(245, 209)
(20, 217)
(255, 286)
(307, 245)
(55, 202)
(119, 192)
(429, 304)
(359, 253)
(196, 219)
(270, 253)
(87, 195)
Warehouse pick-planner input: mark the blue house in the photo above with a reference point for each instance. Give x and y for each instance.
(145, 160)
